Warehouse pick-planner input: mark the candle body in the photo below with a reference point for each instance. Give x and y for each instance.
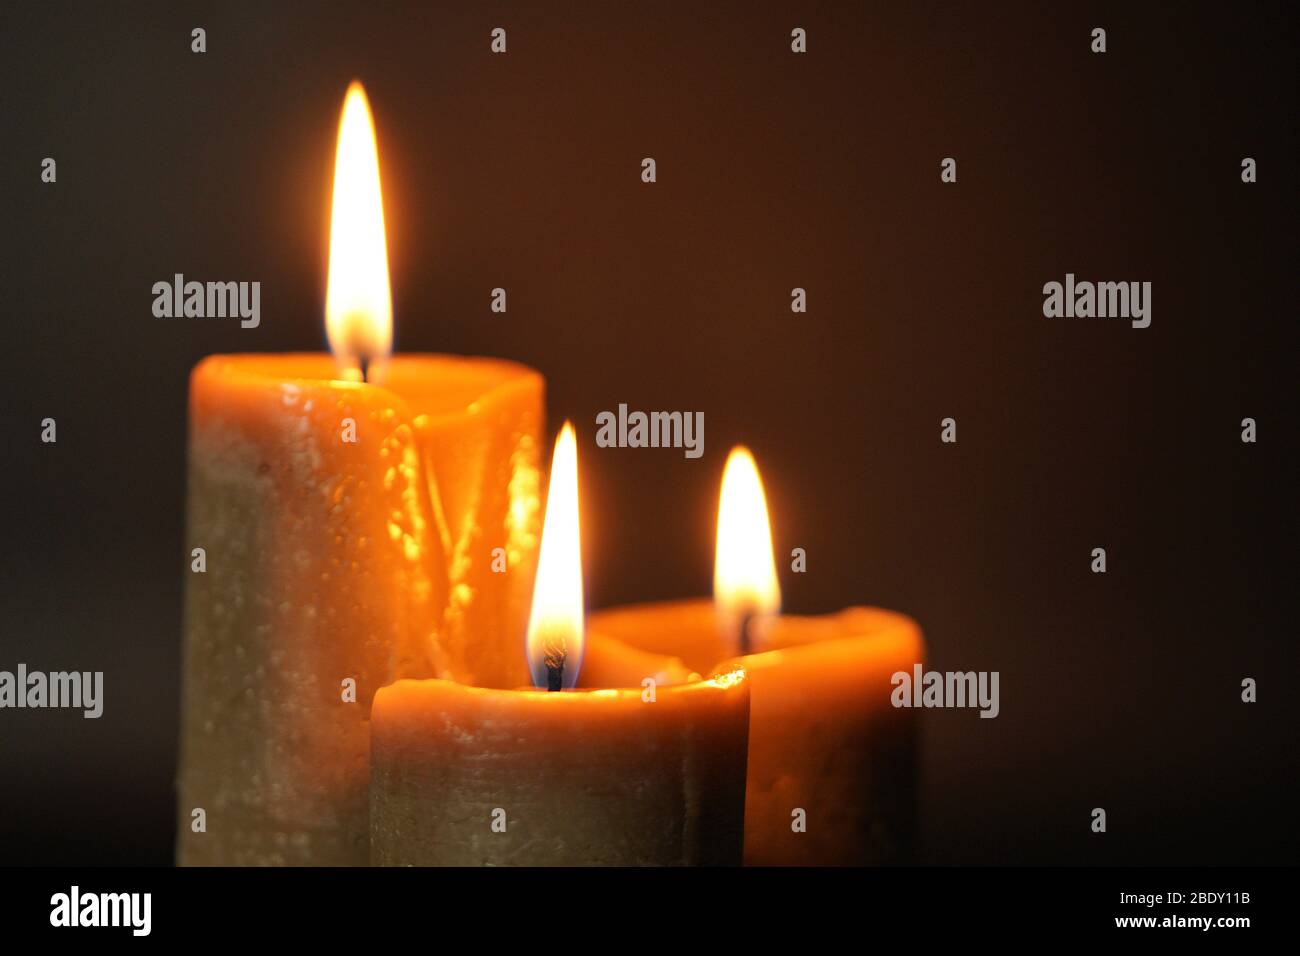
(346, 532)
(575, 778)
(824, 737)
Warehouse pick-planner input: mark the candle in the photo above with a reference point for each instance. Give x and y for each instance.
(344, 520)
(831, 770)
(644, 776)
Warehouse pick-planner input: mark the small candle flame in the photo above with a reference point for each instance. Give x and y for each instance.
(555, 624)
(358, 301)
(744, 569)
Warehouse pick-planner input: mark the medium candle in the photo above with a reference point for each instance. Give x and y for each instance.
(823, 738)
(831, 769)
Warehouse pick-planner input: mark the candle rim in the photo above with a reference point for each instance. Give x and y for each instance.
(860, 622)
(723, 679)
(499, 375)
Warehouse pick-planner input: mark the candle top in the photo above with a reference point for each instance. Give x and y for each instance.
(434, 692)
(436, 384)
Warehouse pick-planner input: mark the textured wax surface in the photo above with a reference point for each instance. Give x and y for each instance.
(579, 778)
(823, 735)
(325, 562)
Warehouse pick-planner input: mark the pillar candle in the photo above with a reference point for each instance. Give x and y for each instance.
(330, 560)
(466, 776)
(823, 736)
(353, 519)
(831, 771)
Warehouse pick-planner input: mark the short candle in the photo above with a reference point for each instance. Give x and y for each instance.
(473, 776)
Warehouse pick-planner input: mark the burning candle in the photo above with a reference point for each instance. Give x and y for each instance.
(831, 776)
(351, 520)
(646, 776)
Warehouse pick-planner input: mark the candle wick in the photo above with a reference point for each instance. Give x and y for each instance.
(746, 644)
(365, 368)
(555, 658)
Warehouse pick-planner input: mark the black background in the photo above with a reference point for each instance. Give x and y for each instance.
(775, 170)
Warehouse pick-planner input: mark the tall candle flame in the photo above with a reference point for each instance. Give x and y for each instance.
(358, 301)
(744, 569)
(555, 624)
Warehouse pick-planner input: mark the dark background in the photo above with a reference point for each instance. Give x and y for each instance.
(775, 170)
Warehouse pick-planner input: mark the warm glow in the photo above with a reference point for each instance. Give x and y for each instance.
(744, 569)
(556, 622)
(358, 303)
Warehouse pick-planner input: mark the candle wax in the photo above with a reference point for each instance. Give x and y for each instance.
(827, 750)
(466, 776)
(347, 532)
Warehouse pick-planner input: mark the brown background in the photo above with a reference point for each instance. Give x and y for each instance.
(775, 171)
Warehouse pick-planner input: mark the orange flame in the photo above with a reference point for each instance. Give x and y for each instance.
(555, 624)
(744, 569)
(358, 301)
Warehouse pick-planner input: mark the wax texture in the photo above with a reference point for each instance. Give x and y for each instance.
(832, 764)
(334, 566)
(471, 777)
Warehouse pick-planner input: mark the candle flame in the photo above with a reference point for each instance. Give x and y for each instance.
(358, 302)
(555, 624)
(744, 569)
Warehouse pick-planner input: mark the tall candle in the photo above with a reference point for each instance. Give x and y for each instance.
(645, 776)
(342, 530)
(831, 769)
